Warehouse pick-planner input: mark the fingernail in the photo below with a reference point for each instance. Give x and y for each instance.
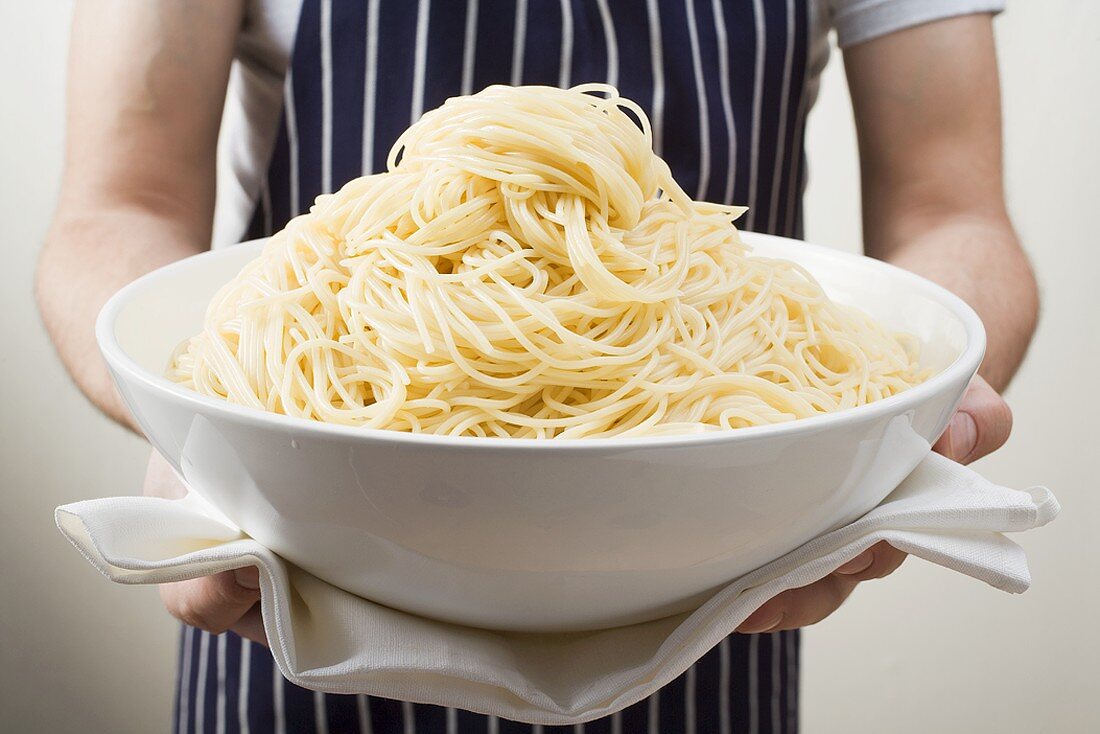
(857, 565)
(248, 577)
(753, 626)
(963, 433)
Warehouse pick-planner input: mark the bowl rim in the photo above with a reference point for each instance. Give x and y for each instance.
(964, 366)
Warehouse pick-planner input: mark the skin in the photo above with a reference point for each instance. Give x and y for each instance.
(145, 94)
(933, 203)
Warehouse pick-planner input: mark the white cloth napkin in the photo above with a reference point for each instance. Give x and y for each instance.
(327, 639)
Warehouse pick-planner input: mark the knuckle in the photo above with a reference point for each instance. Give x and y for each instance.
(220, 592)
(192, 605)
(175, 601)
(229, 592)
(190, 614)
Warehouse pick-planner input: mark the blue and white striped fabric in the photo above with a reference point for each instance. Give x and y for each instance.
(748, 683)
(724, 82)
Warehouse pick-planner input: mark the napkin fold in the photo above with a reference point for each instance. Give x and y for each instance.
(327, 639)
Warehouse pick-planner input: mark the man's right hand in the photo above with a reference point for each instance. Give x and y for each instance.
(224, 601)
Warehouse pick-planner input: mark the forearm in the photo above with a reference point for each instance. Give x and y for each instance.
(979, 259)
(928, 112)
(88, 255)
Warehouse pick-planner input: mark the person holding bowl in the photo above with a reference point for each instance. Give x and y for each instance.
(320, 91)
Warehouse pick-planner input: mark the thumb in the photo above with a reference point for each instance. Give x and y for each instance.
(981, 425)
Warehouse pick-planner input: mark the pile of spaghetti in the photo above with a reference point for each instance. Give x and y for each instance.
(528, 267)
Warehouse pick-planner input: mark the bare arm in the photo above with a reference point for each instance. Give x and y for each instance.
(928, 112)
(147, 82)
(146, 86)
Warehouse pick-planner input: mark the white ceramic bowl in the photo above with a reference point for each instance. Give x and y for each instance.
(522, 534)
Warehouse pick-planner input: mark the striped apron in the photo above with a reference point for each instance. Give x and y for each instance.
(724, 83)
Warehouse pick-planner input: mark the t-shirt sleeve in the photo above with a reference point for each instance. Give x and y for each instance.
(861, 20)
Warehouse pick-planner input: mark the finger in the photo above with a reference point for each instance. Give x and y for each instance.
(161, 480)
(981, 425)
(251, 626)
(810, 604)
(800, 607)
(213, 603)
(881, 559)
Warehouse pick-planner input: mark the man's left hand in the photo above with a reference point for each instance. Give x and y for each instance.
(981, 425)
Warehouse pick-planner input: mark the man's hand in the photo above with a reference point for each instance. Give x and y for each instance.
(980, 426)
(809, 605)
(225, 601)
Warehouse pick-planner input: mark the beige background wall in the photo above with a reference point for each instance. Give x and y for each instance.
(924, 651)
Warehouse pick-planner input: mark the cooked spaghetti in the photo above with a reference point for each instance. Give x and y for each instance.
(528, 267)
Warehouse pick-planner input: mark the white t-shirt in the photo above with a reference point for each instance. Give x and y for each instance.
(254, 98)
